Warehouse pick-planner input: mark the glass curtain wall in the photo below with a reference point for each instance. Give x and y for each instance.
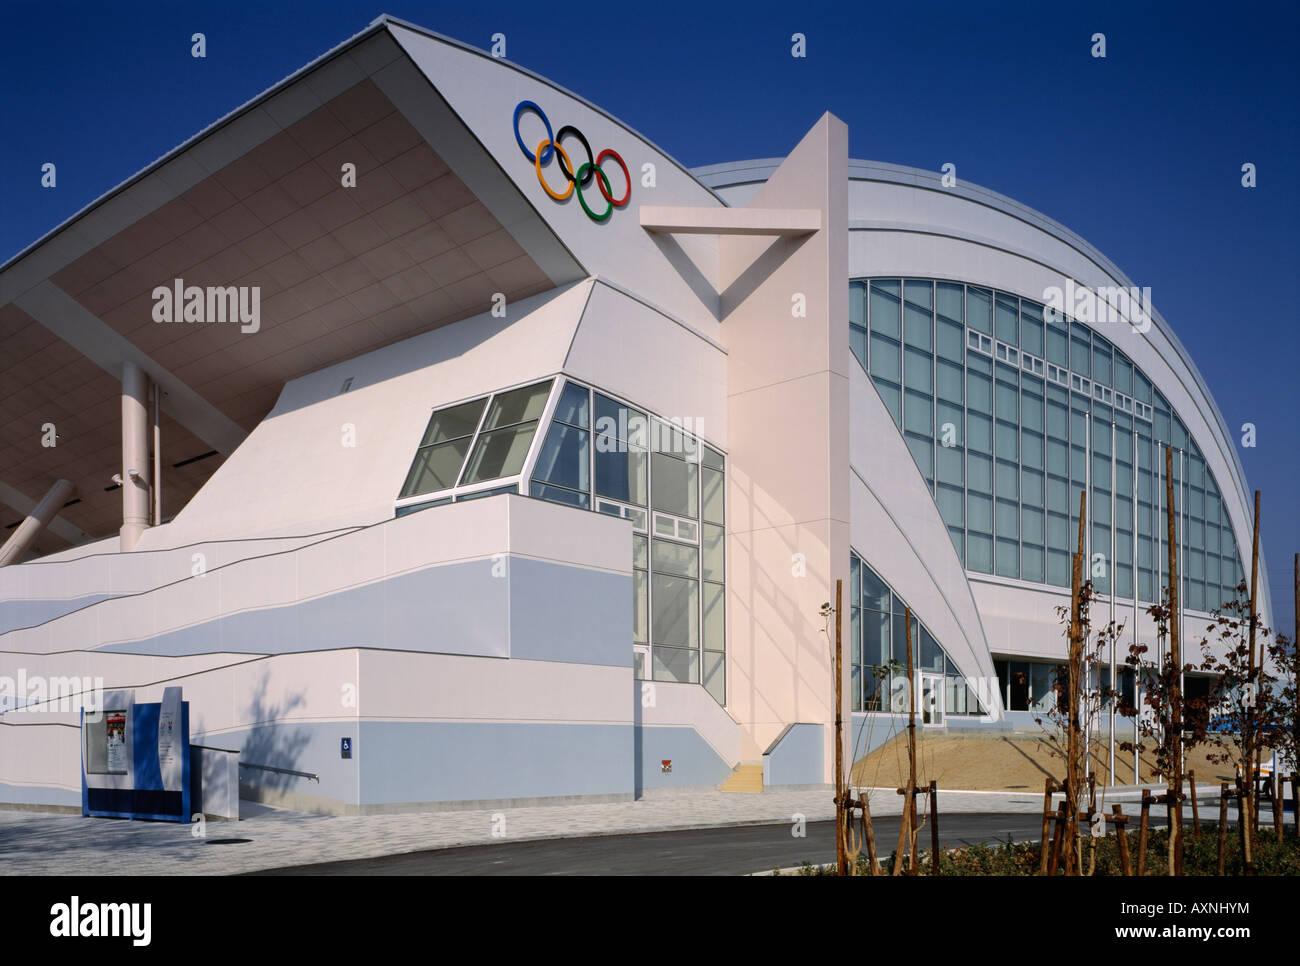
(1010, 415)
(604, 455)
(878, 651)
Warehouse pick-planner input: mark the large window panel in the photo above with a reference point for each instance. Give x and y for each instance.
(714, 617)
(979, 552)
(1049, 439)
(500, 453)
(640, 603)
(979, 309)
(979, 432)
(621, 471)
(876, 640)
(676, 486)
(950, 466)
(858, 304)
(1031, 328)
(951, 505)
(918, 413)
(517, 406)
(1058, 345)
(918, 327)
(979, 392)
(675, 610)
(508, 428)
(950, 340)
(442, 449)
(884, 359)
(918, 371)
(574, 406)
(678, 664)
(711, 547)
(675, 558)
(948, 424)
(979, 473)
(1032, 563)
(713, 483)
(923, 452)
(1005, 323)
(951, 296)
(950, 383)
(436, 467)
(564, 458)
(714, 676)
(885, 308)
(875, 593)
(615, 421)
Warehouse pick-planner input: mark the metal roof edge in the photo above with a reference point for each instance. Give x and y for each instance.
(194, 139)
(754, 170)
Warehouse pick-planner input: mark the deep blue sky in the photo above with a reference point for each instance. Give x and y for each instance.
(1140, 153)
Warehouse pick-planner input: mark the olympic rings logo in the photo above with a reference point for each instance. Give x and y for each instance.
(589, 170)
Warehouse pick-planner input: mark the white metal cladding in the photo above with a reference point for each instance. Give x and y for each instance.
(903, 223)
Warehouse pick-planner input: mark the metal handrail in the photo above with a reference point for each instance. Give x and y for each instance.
(280, 771)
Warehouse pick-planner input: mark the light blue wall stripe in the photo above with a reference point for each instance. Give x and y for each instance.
(694, 761)
(797, 758)
(470, 761)
(28, 613)
(569, 614)
(39, 795)
(557, 613)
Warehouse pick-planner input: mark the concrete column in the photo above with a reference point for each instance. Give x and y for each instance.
(36, 521)
(135, 455)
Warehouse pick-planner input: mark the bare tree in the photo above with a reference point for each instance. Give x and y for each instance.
(1079, 701)
(1173, 724)
(1251, 706)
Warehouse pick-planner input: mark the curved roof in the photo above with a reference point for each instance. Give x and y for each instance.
(735, 173)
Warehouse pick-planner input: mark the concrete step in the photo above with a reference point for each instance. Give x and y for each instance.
(746, 778)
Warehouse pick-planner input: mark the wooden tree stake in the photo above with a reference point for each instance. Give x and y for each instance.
(1057, 836)
(870, 832)
(934, 828)
(1121, 837)
(1223, 823)
(1045, 841)
(1142, 833)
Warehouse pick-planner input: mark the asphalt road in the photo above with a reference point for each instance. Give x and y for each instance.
(734, 850)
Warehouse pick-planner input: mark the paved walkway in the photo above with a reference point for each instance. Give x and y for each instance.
(33, 843)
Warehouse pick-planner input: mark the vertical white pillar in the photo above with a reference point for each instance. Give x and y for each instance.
(157, 455)
(135, 455)
(35, 522)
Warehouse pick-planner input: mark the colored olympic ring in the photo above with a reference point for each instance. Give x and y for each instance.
(564, 156)
(566, 131)
(603, 184)
(580, 178)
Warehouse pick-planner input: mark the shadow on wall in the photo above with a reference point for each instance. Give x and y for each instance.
(638, 737)
(271, 743)
(767, 587)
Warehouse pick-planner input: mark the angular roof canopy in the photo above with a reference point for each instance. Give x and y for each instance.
(257, 199)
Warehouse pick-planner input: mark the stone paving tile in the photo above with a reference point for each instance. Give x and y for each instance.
(46, 844)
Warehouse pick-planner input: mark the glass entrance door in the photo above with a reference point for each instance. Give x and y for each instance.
(931, 699)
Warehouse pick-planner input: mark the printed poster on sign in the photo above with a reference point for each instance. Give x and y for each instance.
(166, 736)
(116, 733)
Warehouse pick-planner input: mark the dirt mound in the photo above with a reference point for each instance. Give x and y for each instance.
(1004, 762)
